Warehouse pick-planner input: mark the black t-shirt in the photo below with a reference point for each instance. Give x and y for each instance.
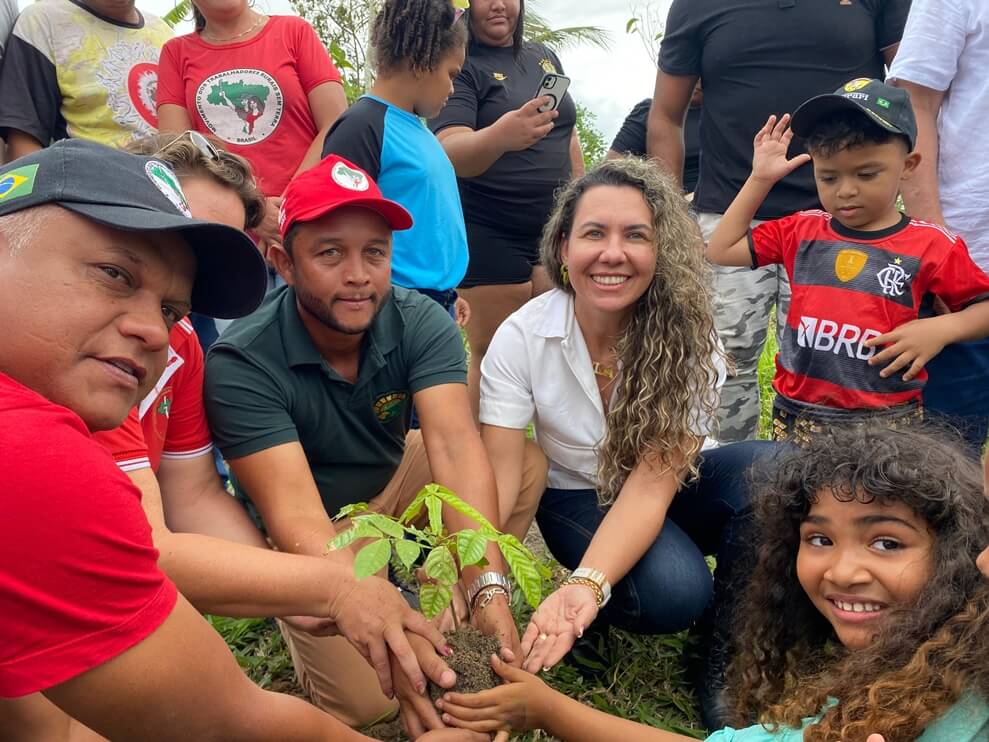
(631, 139)
(759, 57)
(515, 194)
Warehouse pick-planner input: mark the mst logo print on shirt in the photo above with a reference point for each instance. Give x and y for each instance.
(241, 106)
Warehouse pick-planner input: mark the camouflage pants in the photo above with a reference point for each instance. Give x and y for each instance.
(743, 299)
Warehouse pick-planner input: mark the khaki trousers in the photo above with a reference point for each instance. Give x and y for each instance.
(333, 674)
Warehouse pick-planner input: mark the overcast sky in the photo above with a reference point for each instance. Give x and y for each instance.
(609, 82)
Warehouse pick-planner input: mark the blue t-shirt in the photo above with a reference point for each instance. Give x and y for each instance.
(409, 166)
(966, 721)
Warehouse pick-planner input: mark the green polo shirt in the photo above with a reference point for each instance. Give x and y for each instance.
(266, 384)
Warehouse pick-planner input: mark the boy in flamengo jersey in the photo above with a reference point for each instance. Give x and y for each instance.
(854, 346)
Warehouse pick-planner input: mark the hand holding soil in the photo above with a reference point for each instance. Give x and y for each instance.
(374, 617)
(496, 620)
(555, 626)
(415, 706)
(513, 706)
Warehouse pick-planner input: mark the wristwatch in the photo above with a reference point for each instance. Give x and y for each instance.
(486, 580)
(598, 578)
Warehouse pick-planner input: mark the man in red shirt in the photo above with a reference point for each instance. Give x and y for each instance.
(90, 620)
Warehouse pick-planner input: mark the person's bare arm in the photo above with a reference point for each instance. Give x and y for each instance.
(664, 137)
(576, 156)
(459, 462)
(525, 702)
(921, 193)
(182, 683)
(234, 579)
(889, 54)
(173, 119)
(729, 243)
(327, 102)
(195, 501)
(280, 484)
(506, 452)
(631, 525)
(473, 152)
(20, 143)
(909, 347)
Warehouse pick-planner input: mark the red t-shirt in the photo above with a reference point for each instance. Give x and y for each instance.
(252, 95)
(79, 581)
(170, 423)
(849, 286)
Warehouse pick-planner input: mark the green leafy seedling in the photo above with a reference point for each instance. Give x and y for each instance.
(446, 554)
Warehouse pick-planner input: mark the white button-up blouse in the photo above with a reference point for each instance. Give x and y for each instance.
(538, 369)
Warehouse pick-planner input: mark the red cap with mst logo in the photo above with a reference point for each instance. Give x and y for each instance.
(332, 184)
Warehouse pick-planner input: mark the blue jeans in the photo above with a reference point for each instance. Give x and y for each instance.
(671, 586)
(957, 393)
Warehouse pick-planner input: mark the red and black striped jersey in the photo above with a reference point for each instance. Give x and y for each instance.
(849, 286)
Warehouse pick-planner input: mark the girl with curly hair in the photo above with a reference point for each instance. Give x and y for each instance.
(618, 370)
(866, 617)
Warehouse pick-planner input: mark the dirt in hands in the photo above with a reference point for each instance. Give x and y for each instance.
(471, 660)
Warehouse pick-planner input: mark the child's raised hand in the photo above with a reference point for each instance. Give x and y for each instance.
(769, 162)
(517, 705)
(910, 346)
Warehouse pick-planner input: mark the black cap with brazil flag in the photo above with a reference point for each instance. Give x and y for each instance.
(139, 194)
(886, 106)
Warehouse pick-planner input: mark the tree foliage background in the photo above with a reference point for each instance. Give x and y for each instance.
(344, 26)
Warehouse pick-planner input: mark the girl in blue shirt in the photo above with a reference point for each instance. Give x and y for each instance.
(418, 48)
(865, 617)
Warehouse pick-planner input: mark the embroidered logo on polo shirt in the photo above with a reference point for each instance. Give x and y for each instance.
(388, 406)
(347, 177)
(858, 84)
(499, 76)
(844, 2)
(18, 182)
(892, 278)
(165, 180)
(849, 263)
(547, 65)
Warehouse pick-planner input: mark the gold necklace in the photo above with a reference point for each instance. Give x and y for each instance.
(261, 19)
(607, 372)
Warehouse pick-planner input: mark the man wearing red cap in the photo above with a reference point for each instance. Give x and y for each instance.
(310, 400)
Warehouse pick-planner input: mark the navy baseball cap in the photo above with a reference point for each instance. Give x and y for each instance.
(886, 106)
(139, 194)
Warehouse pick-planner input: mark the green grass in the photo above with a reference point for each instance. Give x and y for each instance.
(646, 683)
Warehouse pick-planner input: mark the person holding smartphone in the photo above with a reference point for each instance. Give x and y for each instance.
(510, 158)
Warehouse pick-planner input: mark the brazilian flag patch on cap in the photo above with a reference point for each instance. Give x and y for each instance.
(17, 182)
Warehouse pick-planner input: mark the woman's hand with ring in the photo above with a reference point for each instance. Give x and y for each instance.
(556, 625)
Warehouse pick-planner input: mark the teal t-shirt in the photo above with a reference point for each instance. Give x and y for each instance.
(966, 721)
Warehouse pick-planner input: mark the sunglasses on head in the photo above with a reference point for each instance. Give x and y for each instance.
(204, 145)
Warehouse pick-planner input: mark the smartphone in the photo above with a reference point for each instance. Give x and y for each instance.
(555, 86)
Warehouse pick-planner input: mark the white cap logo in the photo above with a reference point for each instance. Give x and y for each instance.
(347, 177)
(167, 182)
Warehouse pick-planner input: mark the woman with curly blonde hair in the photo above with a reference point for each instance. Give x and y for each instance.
(618, 369)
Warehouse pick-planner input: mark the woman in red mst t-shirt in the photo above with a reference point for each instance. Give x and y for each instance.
(263, 84)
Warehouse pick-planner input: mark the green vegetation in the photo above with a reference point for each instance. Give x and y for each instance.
(446, 553)
(647, 684)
